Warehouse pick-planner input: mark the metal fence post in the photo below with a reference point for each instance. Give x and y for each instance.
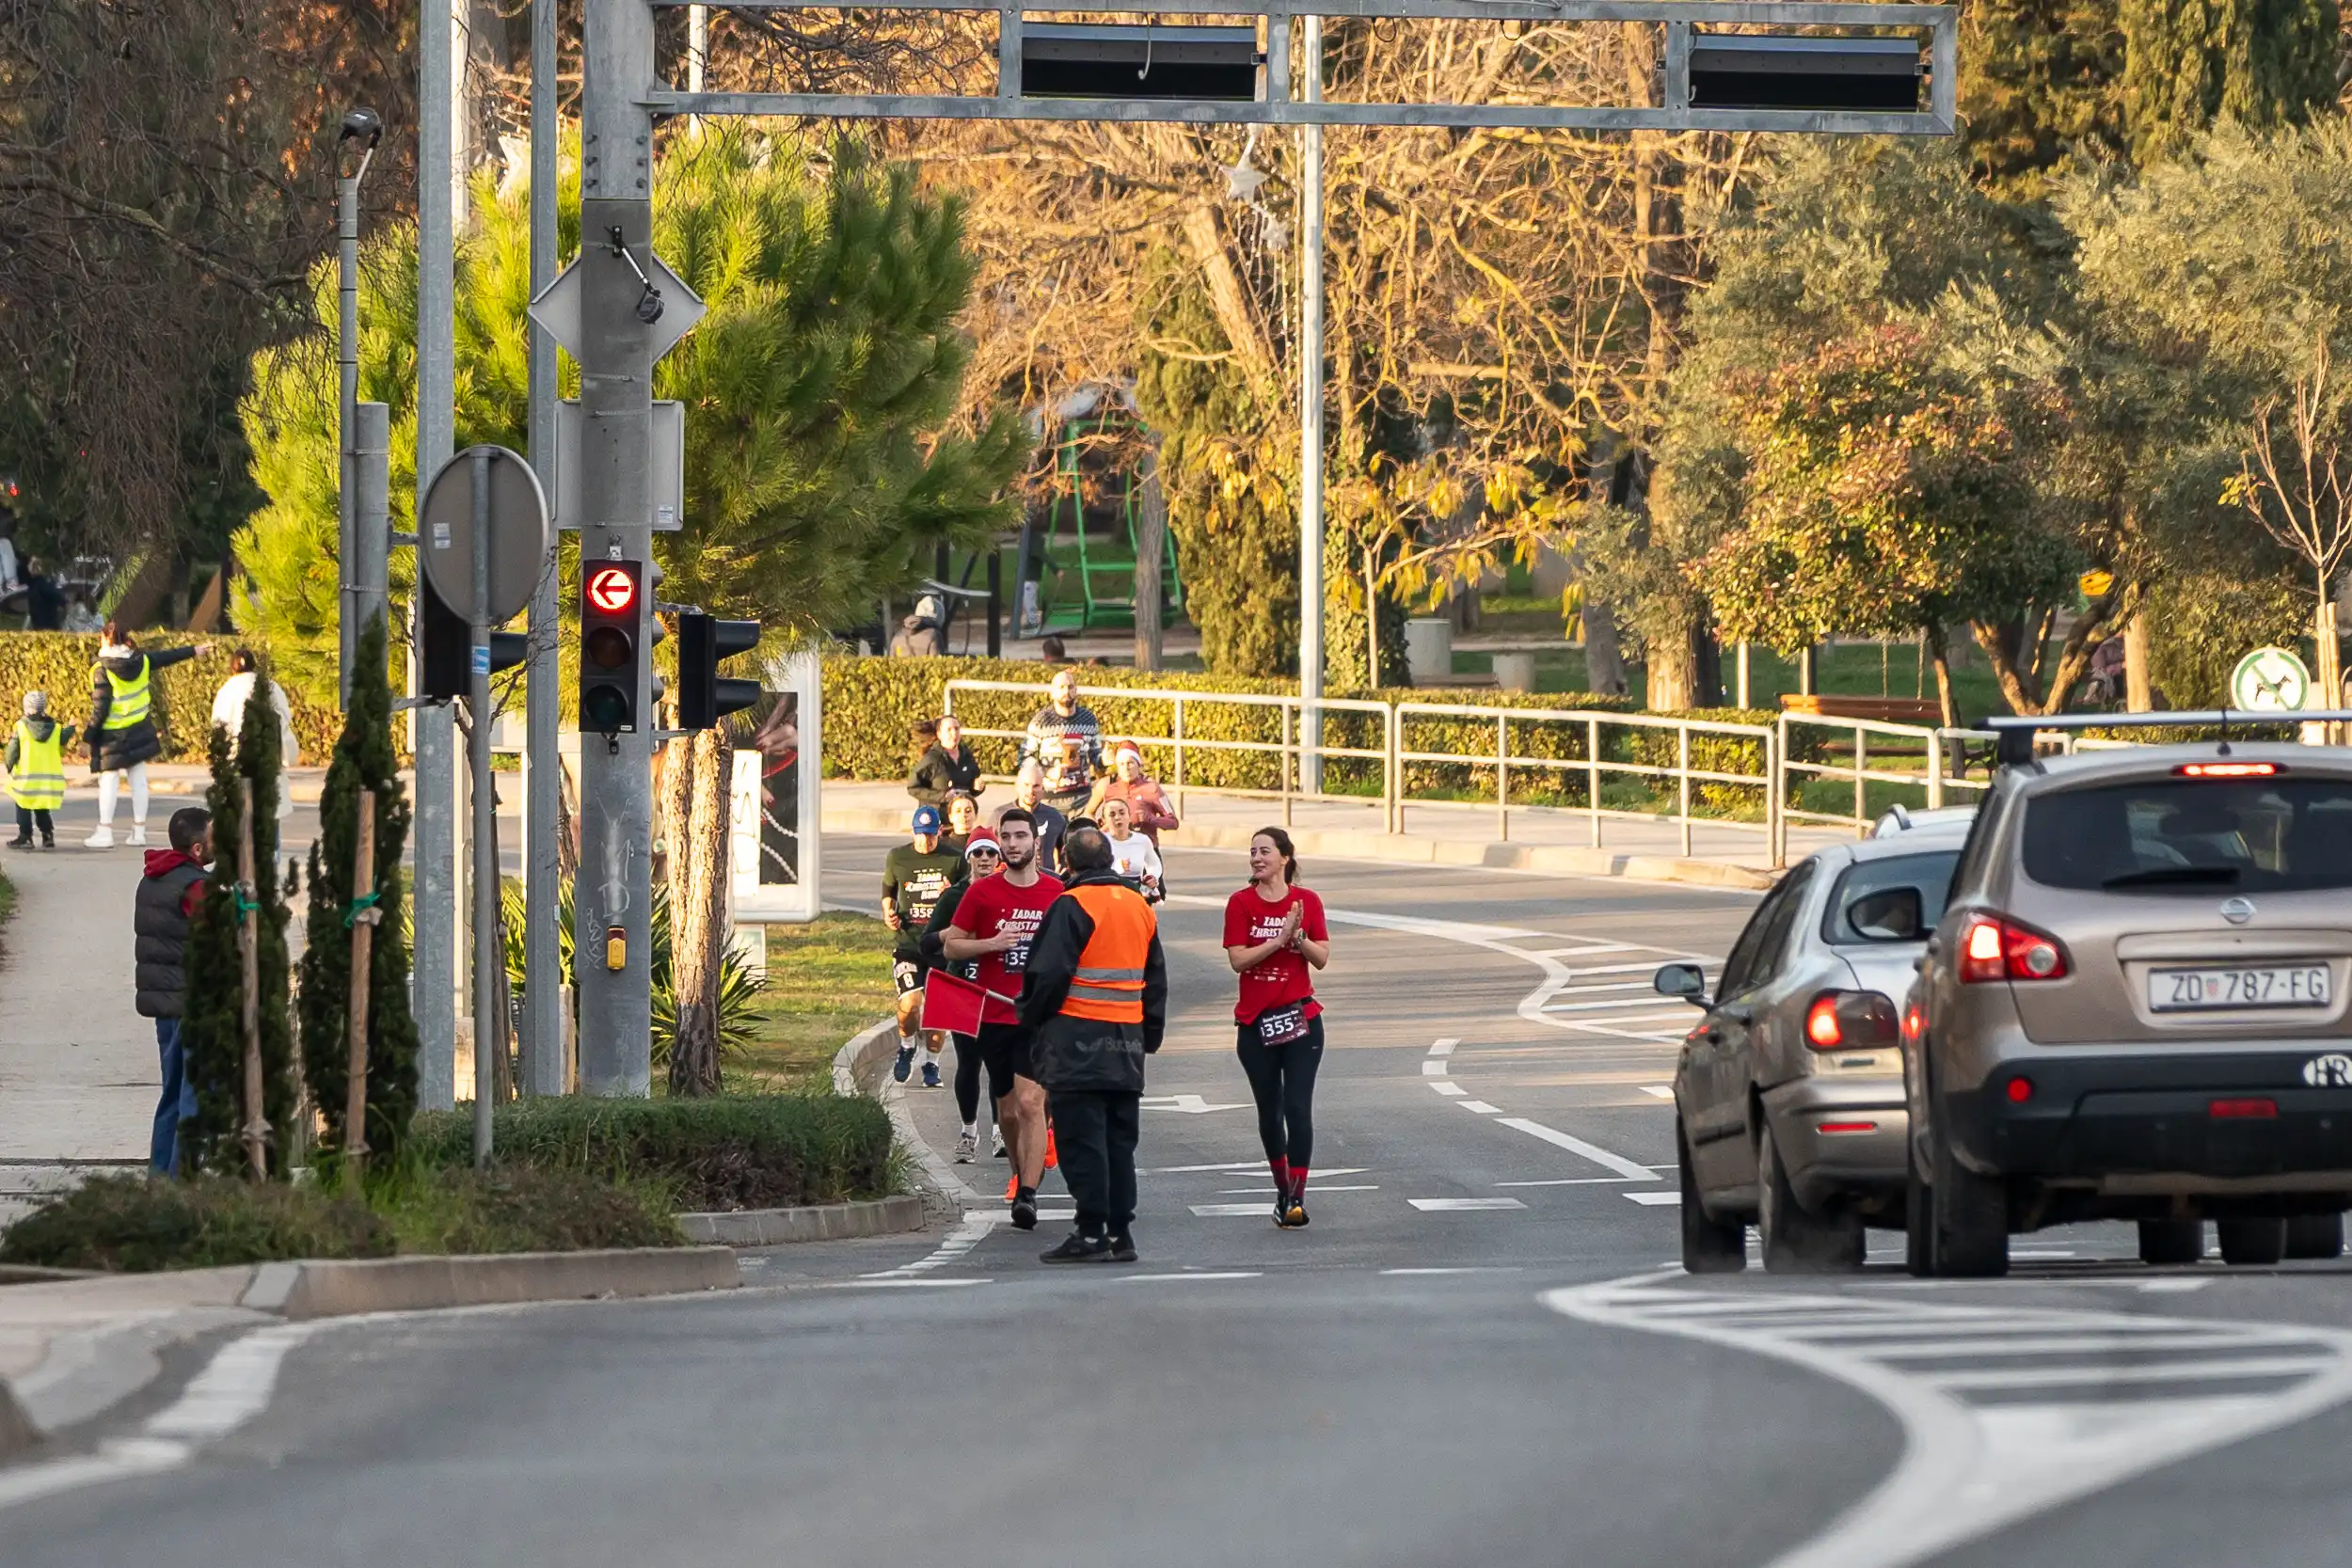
(1392, 768)
(1592, 775)
(1935, 768)
(1861, 784)
(1285, 711)
(1179, 727)
(1775, 811)
(1682, 750)
(1502, 777)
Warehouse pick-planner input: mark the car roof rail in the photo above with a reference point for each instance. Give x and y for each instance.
(2013, 733)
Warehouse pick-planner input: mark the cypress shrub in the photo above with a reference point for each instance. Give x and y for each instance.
(363, 759)
(212, 1032)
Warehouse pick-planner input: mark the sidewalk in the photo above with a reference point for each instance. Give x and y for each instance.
(1558, 841)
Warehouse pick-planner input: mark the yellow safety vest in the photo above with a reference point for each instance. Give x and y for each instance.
(38, 781)
(127, 704)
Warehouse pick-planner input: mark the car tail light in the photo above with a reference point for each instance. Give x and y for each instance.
(2228, 770)
(1837, 1127)
(1992, 947)
(2019, 1090)
(2251, 1110)
(1822, 1031)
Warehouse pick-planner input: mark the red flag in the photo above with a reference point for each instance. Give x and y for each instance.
(953, 1004)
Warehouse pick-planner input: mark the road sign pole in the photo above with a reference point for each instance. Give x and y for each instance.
(346, 397)
(616, 396)
(1310, 417)
(432, 982)
(490, 961)
(543, 768)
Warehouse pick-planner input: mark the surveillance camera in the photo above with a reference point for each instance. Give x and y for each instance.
(362, 123)
(649, 304)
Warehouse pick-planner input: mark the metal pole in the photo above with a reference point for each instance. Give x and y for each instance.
(490, 1033)
(616, 511)
(347, 393)
(1743, 677)
(543, 768)
(1592, 775)
(371, 511)
(433, 987)
(1503, 778)
(1310, 417)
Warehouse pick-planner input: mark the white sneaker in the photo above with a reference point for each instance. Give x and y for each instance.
(102, 839)
(138, 837)
(967, 1147)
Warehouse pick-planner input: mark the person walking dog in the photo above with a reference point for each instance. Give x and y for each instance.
(1096, 999)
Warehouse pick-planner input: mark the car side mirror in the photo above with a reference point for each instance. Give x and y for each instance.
(1866, 1022)
(1890, 915)
(1687, 982)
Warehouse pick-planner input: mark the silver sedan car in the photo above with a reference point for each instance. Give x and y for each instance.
(1789, 1096)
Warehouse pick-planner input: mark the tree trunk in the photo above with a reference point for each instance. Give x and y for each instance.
(1674, 672)
(2139, 689)
(672, 806)
(1150, 549)
(1604, 653)
(698, 916)
(1940, 652)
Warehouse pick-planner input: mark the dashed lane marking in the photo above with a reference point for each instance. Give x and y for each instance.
(2007, 1411)
(1480, 1106)
(1462, 1204)
(1661, 1091)
(1654, 1201)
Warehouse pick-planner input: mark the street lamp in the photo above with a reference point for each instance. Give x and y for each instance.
(365, 128)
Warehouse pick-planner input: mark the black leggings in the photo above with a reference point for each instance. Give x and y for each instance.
(1282, 1081)
(968, 1063)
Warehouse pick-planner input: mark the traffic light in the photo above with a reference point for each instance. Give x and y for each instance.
(704, 696)
(612, 645)
(445, 643)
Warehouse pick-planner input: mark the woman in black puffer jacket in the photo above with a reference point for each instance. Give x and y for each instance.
(121, 731)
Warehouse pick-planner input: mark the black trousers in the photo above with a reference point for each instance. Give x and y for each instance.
(968, 1063)
(28, 818)
(1095, 1131)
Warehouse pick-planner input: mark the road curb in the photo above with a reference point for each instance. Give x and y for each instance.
(85, 1373)
(1347, 844)
(823, 1222)
(858, 1062)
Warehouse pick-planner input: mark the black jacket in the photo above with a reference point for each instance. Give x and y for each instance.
(1084, 1053)
(110, 750)
(935, 931)
(941, 773)
(161, 918)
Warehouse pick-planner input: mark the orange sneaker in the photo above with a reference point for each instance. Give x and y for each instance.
(1052, 1159)
(1012, 1187)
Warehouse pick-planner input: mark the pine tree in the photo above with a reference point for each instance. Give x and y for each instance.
(363, 759)
(212, 1030)
(2040, 83)
(2190, 63)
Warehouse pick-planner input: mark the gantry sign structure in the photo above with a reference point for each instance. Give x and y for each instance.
(1819, 69)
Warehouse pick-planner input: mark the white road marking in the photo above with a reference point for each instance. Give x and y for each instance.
(1462, 1204)
(970, 1232)
(1434, 1068)
(233, 1387)
(1480, 1106)
(1654, 1201)
(1231, 1211)
(1230, 1273)
(1190, 1104)
(1662, 1091)
(1594, 1152)
(1579, 1182)
(1443, 1048)
(1973, 1465)
(900, 1284)
(1319, 1186)
(1453, 1091)
(1488, 1268)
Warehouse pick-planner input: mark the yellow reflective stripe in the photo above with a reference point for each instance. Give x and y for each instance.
(1110, 973)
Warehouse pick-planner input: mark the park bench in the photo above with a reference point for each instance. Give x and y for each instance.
(1894, 710)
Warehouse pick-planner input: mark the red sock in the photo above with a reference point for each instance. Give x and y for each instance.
(1298, 1181)
(1282, 1169)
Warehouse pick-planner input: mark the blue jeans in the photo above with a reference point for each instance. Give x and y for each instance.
(178, 1102)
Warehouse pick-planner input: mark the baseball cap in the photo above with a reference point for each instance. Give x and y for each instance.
(926, 819)
(981, 839)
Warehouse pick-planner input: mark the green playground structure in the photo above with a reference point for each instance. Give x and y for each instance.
(1073, 577)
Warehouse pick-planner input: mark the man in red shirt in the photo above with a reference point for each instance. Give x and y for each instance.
(994, 925)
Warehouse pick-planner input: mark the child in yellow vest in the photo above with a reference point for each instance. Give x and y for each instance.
(35, 758)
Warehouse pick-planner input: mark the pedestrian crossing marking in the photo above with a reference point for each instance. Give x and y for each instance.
(2007, 1410)
(1462, 1204)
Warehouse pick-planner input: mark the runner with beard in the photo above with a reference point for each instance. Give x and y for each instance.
(993, 924)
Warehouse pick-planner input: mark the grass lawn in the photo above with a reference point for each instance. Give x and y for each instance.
(826, 980)
(1854, 670)
(7, 905)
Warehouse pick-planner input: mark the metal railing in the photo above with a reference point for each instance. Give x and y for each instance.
(1595, 765)
(1291, 747)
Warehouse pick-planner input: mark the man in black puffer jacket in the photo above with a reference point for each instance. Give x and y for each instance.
(162, 916)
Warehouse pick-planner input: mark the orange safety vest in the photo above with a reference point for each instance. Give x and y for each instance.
(1108, 986)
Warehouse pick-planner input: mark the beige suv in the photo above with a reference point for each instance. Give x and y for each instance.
(2135, 1007)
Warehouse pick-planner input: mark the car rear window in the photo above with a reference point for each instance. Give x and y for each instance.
(1860, 910)
(2193, 835)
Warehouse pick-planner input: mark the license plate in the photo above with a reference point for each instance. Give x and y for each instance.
(2179, 991)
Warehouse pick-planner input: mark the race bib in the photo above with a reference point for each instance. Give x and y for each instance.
(1282, 1025)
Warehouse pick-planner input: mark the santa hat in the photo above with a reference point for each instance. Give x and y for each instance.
(981, 839)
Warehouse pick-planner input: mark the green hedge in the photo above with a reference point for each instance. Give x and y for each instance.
(733, 1151)
(60, 663)
(132, 1224)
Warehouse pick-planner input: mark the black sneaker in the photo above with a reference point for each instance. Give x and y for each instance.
(1122, 1247)
(1294, 1209)
(1282, 1210)
(1024, 1209)
(1077, 1248)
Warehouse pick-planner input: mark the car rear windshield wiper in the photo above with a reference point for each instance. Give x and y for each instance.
(2211, 875)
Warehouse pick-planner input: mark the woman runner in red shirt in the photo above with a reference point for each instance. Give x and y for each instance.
(1274, 935)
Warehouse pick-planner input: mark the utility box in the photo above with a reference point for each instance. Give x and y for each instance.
(1429, 649)
(1125, 60)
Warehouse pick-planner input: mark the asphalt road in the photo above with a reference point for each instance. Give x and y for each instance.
(1477, 1354)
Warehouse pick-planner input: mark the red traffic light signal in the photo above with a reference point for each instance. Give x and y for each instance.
(612, 645)
(612, 589)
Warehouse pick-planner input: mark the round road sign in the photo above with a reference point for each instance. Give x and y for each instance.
(518, 532)
(2270, 680)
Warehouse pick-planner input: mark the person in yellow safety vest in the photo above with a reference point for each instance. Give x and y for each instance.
(35, 759)
(121, 734)
(1096, 998)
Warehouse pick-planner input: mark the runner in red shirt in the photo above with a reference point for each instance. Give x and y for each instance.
(1275, 937)
(994, 925)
